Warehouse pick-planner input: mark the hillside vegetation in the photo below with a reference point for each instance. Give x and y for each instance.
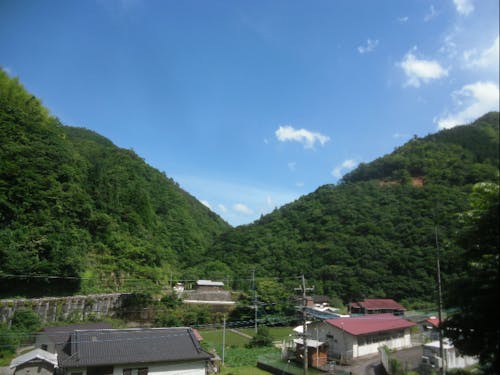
(73, 205)
(374, 234)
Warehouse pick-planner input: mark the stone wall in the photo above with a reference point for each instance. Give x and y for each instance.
(52, 309)
(206, 295)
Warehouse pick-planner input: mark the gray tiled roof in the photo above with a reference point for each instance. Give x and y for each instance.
(60, 334)
(141, 345)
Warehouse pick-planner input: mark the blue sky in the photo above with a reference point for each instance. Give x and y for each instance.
(249, 105)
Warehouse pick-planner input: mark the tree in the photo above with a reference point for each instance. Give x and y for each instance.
(262, 338)
(475, 329)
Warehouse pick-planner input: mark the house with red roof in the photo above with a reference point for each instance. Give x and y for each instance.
(376, 306)
(349, 338)
(430, 328)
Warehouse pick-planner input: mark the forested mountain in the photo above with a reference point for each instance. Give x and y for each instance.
(374, 233)
(75, 206)
(72, 204)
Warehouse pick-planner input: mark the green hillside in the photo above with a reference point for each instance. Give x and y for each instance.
(74, 205)
(373, 234)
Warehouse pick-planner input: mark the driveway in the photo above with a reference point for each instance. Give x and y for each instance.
(371, 365)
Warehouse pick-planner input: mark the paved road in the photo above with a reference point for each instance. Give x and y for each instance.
(371, 365)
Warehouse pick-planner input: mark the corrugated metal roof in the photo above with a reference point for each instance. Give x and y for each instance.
(362, 325)
(311, 343)
(115, 346)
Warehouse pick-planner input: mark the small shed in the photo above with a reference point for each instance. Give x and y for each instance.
(37, 361)
(317, 352)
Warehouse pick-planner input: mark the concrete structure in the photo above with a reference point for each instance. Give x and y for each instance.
(453, 359)
(53, 309)
(210, 293)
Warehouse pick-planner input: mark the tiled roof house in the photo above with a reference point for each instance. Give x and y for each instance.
(353, 337)
(133, 352)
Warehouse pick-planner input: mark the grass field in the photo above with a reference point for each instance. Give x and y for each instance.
(246, 370)
(277, 333)
(213, 338)
(239, 360)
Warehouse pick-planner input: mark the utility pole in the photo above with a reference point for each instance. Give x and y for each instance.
(223, 339)
(304, 291)
(255, 306)
(440, 305)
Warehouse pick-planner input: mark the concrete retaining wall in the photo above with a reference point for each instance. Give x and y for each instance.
(52, 309)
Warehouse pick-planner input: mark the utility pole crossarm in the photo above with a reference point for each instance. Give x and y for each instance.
(304, 291)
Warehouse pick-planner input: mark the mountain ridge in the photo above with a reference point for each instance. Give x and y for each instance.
(373, 234)
(75, 206)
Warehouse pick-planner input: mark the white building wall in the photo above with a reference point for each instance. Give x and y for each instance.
(341, 343)
(70, 371)
(395, 343)
(188, 368)
(453, 358)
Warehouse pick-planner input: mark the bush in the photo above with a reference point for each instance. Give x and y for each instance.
(262, 338)
(26, 320)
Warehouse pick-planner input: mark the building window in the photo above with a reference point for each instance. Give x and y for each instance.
(135, 371)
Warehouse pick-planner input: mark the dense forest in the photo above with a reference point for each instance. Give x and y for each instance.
(73, 205)
(374, 233)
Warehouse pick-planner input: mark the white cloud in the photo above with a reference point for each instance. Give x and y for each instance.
(368, 47)
(269, 201)
(206, 204)
(419, 71)
(403, 19)
(292, 165)
(242, 209)
(489, 57)
(464, 7)
(346, 165)
(473, 101)
(449, 47)
(400, 135)
(304, 136)
(228, 192)
(431, 15)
